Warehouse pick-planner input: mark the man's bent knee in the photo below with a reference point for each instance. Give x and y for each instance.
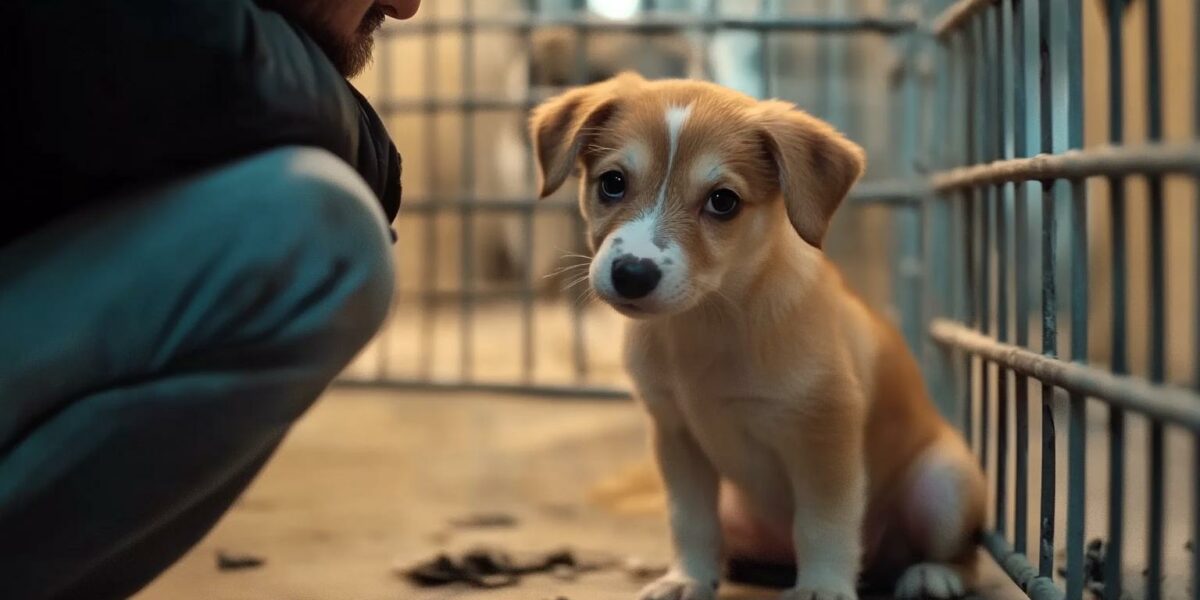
(346, 221)
(310, 218)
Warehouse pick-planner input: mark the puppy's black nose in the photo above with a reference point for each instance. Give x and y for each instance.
(634, 277)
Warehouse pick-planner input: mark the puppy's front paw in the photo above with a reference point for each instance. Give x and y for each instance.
(676, 586)
(930, 580)
(807, 593)
(821, 586)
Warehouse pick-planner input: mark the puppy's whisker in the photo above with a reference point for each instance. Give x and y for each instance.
(566, 269)
(582, 299)
(575, 282)
(586, 298)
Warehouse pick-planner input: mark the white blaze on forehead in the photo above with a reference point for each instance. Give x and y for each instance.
(676, 117)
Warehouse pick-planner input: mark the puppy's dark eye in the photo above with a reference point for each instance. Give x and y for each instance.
(723, 204)
(612, 186)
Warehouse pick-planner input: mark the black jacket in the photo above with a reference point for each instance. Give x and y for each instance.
(112, 95)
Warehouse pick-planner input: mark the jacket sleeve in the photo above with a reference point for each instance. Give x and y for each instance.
(116, 94)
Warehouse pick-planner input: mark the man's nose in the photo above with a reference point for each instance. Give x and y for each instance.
(400, 9)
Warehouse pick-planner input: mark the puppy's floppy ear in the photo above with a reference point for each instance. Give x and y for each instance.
(562, 125)
(816, 165)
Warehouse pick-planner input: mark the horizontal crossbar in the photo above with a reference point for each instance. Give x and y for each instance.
(1169, 404)
(888, 191)
(662, 22)
(1108, 161)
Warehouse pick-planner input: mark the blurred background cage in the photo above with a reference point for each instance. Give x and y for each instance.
(1029, 219)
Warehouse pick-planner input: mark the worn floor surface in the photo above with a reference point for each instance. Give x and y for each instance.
(369, 479)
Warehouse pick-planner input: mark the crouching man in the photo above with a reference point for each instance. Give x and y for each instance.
(195, 241)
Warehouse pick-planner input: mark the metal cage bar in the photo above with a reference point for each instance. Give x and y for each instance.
(466, 317)
(1156, 457)
(661, 22)
(1195, 30)
(528, 354)
(1072, 13)
(1022, 46)
(429, 272)
(579, 346)
(1119, 365)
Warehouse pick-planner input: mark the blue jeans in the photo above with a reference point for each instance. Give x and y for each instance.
(154, 351)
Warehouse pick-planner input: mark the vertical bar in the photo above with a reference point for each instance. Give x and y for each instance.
(1004, 149)
(428, 340)
(1021, 510)
(973, 94)
(467, 212)
(1157, 339)
(971, 267)
(985, 314)
(939, 231)
(906, 228)
(835, 67)
(383, 338)
(1049, 348)
(1077, 439)
(766, 9)
(1021, 275)
(906, 220)
(937, 270)
(1195, 537)
(1116, 419)
(708, 34)
(532, 9)
(985, 117)
(579, 77)
(1049, 302)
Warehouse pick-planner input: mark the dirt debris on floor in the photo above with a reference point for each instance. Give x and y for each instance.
(230, 561)
(484, 520)
(487, 567)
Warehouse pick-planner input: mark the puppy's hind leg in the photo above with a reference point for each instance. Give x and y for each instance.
(942, 514)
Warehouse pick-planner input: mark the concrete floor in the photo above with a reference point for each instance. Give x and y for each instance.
(369, 480)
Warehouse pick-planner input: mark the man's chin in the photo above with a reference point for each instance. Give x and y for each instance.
(355, 58)
(355, 55)
(351, 55)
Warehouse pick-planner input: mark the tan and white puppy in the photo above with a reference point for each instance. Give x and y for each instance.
(789, 421)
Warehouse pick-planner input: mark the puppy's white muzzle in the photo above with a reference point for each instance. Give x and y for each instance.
(638, 271)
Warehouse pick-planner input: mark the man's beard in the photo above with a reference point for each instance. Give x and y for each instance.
(349, 55)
